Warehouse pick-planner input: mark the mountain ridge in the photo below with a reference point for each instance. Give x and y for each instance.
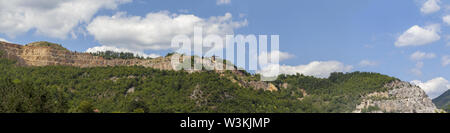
(443, 101)
(49, 54)
(313, 94)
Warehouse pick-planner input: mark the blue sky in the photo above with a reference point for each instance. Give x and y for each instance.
(360, 34)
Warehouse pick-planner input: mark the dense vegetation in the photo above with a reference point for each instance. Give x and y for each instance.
(339, 93)
(138, 89)
(443, 101)
(116, 55)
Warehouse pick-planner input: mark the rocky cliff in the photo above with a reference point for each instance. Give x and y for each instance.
(401, 97)
(46, 54)
(33, 55)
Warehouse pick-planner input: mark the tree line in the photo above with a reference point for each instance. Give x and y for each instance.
(116, 55)
(66, 89)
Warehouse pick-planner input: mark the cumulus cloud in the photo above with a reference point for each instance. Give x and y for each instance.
(446, 19)
(434, 87)
(418, 55)
(3, 40)
(223, 2)
(418, 69)
(52, 18)
(156, 30)
(445, 60)
(416, 36)
(367, 63)
(115, 49)
(320, 69)
(264, 56)
(430, 6)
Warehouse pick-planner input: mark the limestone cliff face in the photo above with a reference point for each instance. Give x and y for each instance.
(402, 97)
(44, 56)
(37, 55)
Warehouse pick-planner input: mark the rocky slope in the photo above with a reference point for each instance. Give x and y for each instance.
(45, 54)
(402, 97)
(34, 55)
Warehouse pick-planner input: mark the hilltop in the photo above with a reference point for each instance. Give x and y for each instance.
(45, 54)
(51, 54)
(43, 77)
(47, 44)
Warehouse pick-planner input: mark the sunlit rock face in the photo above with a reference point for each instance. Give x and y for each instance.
(402, 97)
(32, 55)
(35, 54)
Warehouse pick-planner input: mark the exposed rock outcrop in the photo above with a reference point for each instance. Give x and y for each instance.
(402, 97)
(258, 85)
(46, 54)
(35, 55)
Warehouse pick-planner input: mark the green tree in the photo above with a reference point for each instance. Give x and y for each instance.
(85, 107)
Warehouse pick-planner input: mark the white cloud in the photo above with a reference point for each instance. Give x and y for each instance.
(264, 56)
(430, 6)
(115, 49)
(223, 2)
(434, 87)
(418, 55)
(3, 40)
(52, 18)
(416, 36)
(367, 63)
(418, 69)
(445, 60)
(156, 30)
(446, 19)
(320, 69)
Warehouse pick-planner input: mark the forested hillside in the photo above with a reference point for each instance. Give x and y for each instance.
(443, 101)
(139, 89)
